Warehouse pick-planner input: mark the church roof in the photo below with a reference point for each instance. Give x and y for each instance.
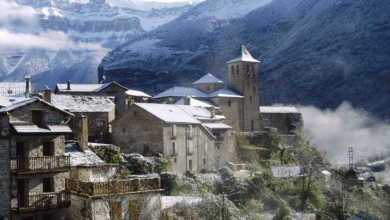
(182, 92)
(243, 55)
(225, 93)
(208, 78)
(195, 102)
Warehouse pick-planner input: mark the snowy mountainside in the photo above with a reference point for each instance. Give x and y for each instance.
(94, 23)
(312, 52)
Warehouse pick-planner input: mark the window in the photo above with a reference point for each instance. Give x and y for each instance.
(247, 71)
(174, 150)
(254, 90)
(48, 185)
(229, 103)
(47, 217)
(123, 130)
(205, 148)
(48, 149)
(233, 70)
(190, 165)
(208, 88)
(101, 123)
(218, 147)
(175, 160)
(250, 99)
(174, 131)
(190, 132)
(204, 160)
(190, 148)
(37, 117)
(237, 70)
(116, 210)
(253, 70)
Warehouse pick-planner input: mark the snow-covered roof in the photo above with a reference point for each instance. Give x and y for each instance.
(28, 101)
(75, 103)
(7, 101)
(169, 113)
(243, 55)
(195, 102)
(271, 109)
(28, 128)
(286, 171)
(82, 158)
(217, 126)
(225, 93)
(196, 111)
(181, 92)
(137, 93)
(208, 78)
(86, 87)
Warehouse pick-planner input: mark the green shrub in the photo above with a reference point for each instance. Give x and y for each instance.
(284, 213)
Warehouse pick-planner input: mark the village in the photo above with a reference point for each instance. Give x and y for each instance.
(65, 154)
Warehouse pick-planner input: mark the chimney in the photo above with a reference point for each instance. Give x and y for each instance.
(83, 132)
(47, 94)
(27, 93)
(187, 100)
(213, 113)
(68, 88)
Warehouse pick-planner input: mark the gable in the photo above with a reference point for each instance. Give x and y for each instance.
(113, 87)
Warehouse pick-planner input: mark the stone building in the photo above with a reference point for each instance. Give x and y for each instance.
(192, 137)
(112, 89)
(100, 111)
(97, 194)
(239, 101)
(32, 140)
(280, 118)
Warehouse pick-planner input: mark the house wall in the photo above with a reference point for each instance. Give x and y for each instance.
(234, 113)
(212, 87)
(149, 206)
(5, 179)
(33, 145)
(94, 131)
(277, 120)
(137, 131)
(25, 113)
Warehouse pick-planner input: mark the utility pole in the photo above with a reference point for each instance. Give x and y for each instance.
(350, 151)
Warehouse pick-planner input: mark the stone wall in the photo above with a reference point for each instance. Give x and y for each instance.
(209, 87)
(95, 132)
(277, 120)
(25, 113)
(5, 179)
(234, 113)
(138, 132)
(33, 145)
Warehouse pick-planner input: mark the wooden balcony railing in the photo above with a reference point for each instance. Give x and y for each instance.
(27, 165)
(113, 187)
(43, 202)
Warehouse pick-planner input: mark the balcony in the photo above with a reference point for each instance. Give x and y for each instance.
(220, 138)
(49, 164)
(114, 187)
(43, 202)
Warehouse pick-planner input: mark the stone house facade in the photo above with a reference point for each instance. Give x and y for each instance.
(32, 141)
(100, 111)
(274, 116)
(179, 132)
(97, 193)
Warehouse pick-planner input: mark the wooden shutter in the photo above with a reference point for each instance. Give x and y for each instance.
(116, 210)
(134, 209)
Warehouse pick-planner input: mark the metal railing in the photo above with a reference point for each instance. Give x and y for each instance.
(25, 165)
(42, 202)
(112, 187)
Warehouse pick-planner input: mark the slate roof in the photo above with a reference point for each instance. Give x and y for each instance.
(217, 126)
(196, 111)
(225, 93)
(195, 102)
(28, 101)
(82, 158)
(85, 87)
(208, 78)
(286, 171)
(243, 55)
(182, 92)
(75, 103)
(271, 109)
(137, 93)
(7, 101)
(28, 128)
(169, 113)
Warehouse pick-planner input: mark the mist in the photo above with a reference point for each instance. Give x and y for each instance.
(334, 131)
(19, 29)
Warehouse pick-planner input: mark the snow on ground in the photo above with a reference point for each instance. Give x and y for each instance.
(171, 201)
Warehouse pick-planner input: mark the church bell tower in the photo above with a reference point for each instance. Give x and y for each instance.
(244, 79)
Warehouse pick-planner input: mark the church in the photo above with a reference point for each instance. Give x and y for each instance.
(238, 101)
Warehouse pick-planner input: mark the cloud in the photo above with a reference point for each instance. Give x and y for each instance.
(19, 28)
(337, 130)
(52, 40)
